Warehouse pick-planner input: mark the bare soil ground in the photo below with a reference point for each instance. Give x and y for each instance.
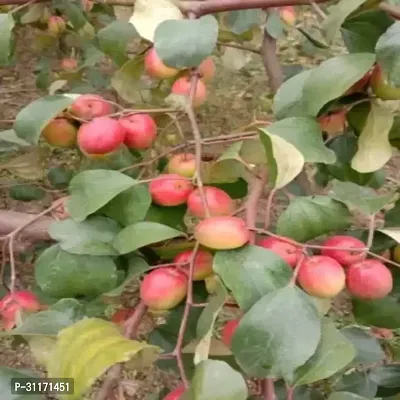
(236, 98)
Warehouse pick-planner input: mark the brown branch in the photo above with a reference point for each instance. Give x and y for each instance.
(269, 56)
(268, 389)
(130, 331)
(391, 10)
(238, 46)
(252, 200)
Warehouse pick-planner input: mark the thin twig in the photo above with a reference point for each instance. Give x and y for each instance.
(240, 47)
(130, 331)
(318, 10)
(268, 209)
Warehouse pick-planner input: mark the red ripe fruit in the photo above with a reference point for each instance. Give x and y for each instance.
(141, 131)
(369, 279)
(170, 190)
(56, 25)
(333, 123)
(287, 251)
(120, 316)
(202, 265)
(182, 164)
(17, 301)
(344, 257)
(288, 15)
(182, 87)
(100, 136)
(60, 132)
(155, 68)
(176, 393)
(228, 330)
(322, 276)
(207, 69)
(222, 233)
(219, 202)
(89, 106)
(68, 64)
(163, 288)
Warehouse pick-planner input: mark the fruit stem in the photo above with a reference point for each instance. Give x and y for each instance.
(289, 393)
(268, 209)
(182, 329)
(268, 389)
(297, 269)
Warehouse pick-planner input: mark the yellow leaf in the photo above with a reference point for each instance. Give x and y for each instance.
(374, 149)
(85, 350)
(148, 14)
(27, 166)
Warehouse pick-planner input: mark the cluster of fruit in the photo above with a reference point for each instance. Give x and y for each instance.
(338, 267)
(15, 302)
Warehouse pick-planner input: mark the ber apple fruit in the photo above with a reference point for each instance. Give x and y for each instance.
(163, 288)
(369, 280)
(60, 132)
(218, 201)
(182, 87)
(89, 106)
(170, 190)
(287, 251)
(203, 263)
(56, 25)
(182, 164)
(396, 253)
(381, 88)
(288, 15)
(141, 131)
(344, 257)
(176, 394)
(155, 68)
(207, 69)
(321, 276)
(228, 331)
(222, 232)
(333, 123)
(360, 85)
(68, 64)
(100, 136)
(11, 303)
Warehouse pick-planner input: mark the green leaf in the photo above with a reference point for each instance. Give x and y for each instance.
(26, 192)
(170, 216)
(268, 343)
(196, 41)
(114, 39)
(31, 120)
(85, 350)
(59, 177)
(388, 54)
(216, 380)
(358, 383)
(6, 26)
(74, 13)
(129, 206)
(285, 161)
(288, 99)
(61, 274)
(386, 375)
(362, 32)
(274, 25)
(368, 348)
(345, 147)
(333, 353)
(345, 396)
(251, 272)
(9, 141)
(241, 21)
(382, 313)
(6, 374)
(338, 15)
(136, 267)
(237, 189)
(374, 148)
(314, 41)
(305, 134)
(359, 197)
(141, 234)
(393, 233)
(127, 81)
(92, 236)
(205, 324)
(93, 189)
(309, 217)
(332, 78)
